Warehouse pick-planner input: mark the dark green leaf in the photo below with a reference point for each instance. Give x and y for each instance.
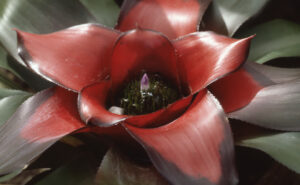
(7, 177)
(24, 177)
(4, 62)
(278, 38)
(105, 11)
(5, 83)
(32, 79)
(21, 72)
(39, 17)
(283, 147)
(118, 170)
(78, 172)
(226, 16)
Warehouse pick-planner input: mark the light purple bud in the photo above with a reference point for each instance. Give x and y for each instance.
(145, 84)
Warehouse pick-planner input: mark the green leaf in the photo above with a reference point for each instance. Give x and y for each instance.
(9, 102)
(274, 39)
(3, 61)
(38, 16)
(25, 176)
(5, 83)
(11, 92)
(105, 11)
(226, 16)
(10, 176)
(32, 79)
(283, 147)
(78, 172)
(116, 169)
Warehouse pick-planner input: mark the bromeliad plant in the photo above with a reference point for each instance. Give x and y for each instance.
(155, 79)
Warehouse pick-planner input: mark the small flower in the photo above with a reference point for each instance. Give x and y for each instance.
(145, 84)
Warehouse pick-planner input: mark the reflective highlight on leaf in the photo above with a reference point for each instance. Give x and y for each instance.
(205, 57)
(174, 18)
(74, 57)
(231, 90)
(37, 124)
(196, 148)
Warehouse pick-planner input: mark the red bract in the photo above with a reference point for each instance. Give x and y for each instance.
(189, 141)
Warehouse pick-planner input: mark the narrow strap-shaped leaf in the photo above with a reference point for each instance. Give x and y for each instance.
(174, 18)
(11, 92)
(116, 169)
(283, 147)
(105, 11)
(272, 74)
(9, 105)
(197, 148)
(37, 124)
(226, 16)
(276, 107)
(274, 39)
(79, 171)
(38, 17)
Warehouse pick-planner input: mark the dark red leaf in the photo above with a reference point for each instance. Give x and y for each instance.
(236, 90)
(174, 18)
(239, 88)
(197, 148)
(142, 50)
(73, 57)
(92, 104)
(205, 57)
(37, 124)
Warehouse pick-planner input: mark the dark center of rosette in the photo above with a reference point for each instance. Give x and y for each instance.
(148, 93)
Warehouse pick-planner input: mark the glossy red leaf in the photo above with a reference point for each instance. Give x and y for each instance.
(205, 57)
(236, 90)
(174, 18)
(92, 105)
(142, 50)
(73, 57)
(37, 124)
(239, 88)
(197, 148)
